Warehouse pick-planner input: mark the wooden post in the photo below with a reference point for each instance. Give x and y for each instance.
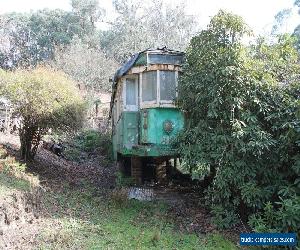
(136, 169)
(161, 172)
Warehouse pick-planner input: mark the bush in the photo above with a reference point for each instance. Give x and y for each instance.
(243, 111)
(11, 169)
(89, 141)
(285, 217)
(44, 99)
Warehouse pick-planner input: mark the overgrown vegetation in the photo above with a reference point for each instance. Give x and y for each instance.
(94, 223)
(89, 142)
(12, 175)
(44, 99)
(243, 127)
(242, 105)
(123, 180)
(79, 218)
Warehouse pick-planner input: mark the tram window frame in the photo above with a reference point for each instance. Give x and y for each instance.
(158, 101)
(130, 107)
(155, 100)
(168, 101)
(173, 59)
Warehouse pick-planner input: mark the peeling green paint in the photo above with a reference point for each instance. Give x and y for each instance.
(144, 133)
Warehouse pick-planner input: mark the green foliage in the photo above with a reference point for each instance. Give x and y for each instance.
(86, 64)
(242, 105)
(123, 181)
(89, 141)
(284, 218)
(224, 218)
(44, 99)
(13, 176)
(139, 26)
(88, 12)
(34, 37)
(92, 139)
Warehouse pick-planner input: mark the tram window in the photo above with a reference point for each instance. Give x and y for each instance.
(130, 92)
(167, 85)
(149, 86)
(165, 59)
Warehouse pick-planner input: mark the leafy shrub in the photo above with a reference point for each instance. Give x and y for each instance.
(44, 99)
(3, 153)
(284, 218)
(92, 139)
(224, 218)
(243, 111)
(72, 153)
(89, 140)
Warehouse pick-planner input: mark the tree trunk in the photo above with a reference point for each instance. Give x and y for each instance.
(26, 138)
(25, 146)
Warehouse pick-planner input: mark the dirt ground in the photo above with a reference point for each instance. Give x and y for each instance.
(24, 215)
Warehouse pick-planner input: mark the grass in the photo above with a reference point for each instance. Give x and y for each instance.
(76, 218)
(12, 175)
(89, 222)
(10, 184)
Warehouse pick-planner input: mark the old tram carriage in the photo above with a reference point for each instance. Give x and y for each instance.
(144, 115)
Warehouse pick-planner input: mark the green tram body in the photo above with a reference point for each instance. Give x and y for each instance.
(145, 119)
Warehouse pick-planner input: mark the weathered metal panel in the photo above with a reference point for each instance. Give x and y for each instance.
(140, 69)
(154, 140)
(130, 129)
(154, 121)
(125, 133)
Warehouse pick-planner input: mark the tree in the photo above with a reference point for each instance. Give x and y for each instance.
(44, 99)
(280, 18)
(88, 12)
(31, 38)
(87, 65)
(297, 29)
(242, 127)
(17, 45)
(137, 28)
(52, 28)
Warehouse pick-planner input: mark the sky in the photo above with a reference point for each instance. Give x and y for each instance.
(259, 14)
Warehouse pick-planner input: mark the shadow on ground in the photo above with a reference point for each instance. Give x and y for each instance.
(80, 209)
